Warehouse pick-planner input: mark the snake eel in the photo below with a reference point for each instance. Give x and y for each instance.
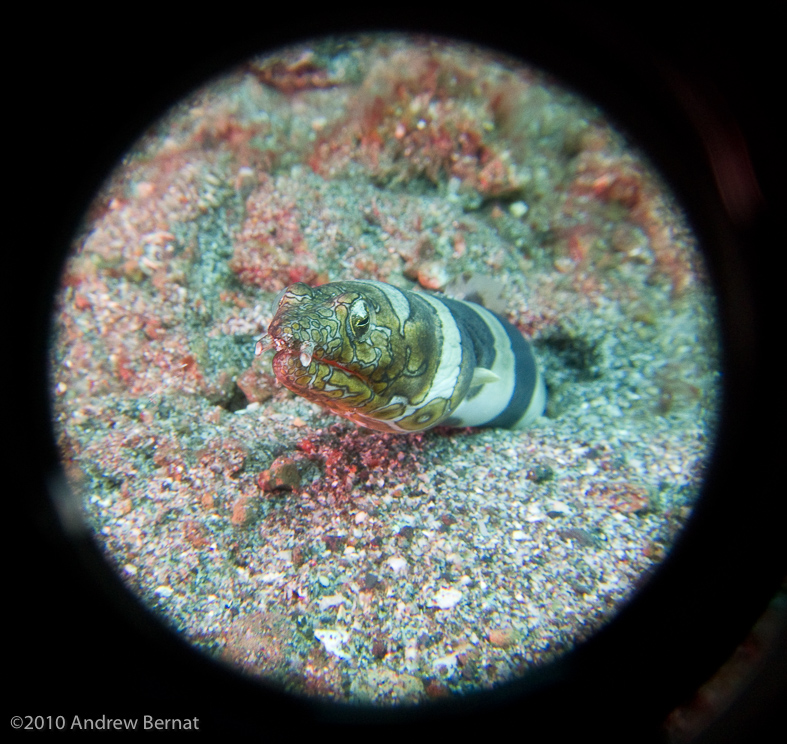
(402, 361)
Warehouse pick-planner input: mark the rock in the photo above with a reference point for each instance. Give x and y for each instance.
(384, 685)
(445, 599)
(283, 475)
(502, 637)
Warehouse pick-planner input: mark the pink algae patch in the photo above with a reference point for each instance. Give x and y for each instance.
(270, 251)
(414, 116)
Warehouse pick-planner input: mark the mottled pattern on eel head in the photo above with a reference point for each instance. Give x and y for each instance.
(403, 361)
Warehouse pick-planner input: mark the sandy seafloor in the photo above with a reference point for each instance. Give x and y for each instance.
(352, 564)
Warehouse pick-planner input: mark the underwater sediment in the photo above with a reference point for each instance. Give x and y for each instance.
(353, 564)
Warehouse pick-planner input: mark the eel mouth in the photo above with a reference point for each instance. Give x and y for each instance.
(305, 353)
(285, 347)
(288, 347)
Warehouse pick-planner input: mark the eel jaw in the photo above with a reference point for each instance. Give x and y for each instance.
(305, 351)
(287, 372)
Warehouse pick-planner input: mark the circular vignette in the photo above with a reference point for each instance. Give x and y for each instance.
(671, 637)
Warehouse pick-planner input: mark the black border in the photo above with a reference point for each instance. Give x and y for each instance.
(87, 88)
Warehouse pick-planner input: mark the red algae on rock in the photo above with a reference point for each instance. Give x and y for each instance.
(417, 115)
(335, 561)
(270, 251)
(356, 457)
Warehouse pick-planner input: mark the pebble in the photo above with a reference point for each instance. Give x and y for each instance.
(502, 637)
(331, 600)
(283, 475)
(518, 209)
(445, 599)
(333, 640)
(445, 664)
(383, 684)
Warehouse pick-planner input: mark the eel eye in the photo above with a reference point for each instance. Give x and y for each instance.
(277, 299)
(359, 318)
